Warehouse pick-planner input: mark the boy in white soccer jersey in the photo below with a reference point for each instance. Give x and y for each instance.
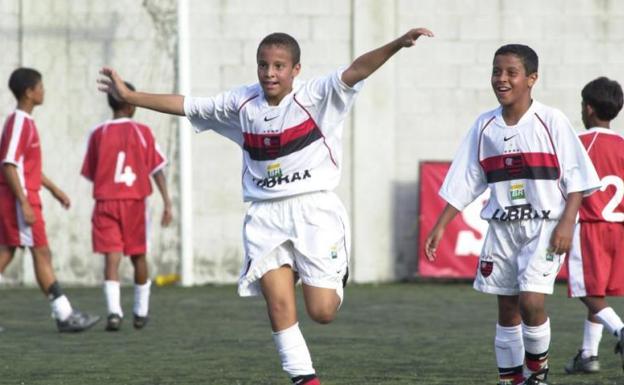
(596, 261)
(537, 171)
(290, 133)
(21, 217)
(121, 156)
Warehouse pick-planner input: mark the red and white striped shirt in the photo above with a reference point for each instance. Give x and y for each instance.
(606, 151)
(20, 146)
(121, 156)
(530, 168)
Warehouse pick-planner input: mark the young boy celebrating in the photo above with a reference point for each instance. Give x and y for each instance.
(290, 133)
(537, 172)
(596, 261)
(21, 219)
(121, 156)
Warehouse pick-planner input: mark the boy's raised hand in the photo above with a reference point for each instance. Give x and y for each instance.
(409, 39)
(113, 84)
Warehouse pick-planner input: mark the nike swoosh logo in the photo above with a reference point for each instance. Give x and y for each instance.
(546, 274)
(506, 138)
(269, 119)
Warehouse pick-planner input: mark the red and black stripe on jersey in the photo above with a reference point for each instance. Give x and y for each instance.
(273, 146)
(523, 165)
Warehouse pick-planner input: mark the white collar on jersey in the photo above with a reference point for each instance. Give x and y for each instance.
(527, 115)
(18, 111)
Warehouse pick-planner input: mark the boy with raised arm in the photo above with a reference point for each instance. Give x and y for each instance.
(290, 133)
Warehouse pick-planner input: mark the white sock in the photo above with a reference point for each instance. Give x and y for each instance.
(112, 293)
(141, 298)
(509, 346)
(536, 344)
(293, 351)
(1, 279)
(592, 334)
(609, 318)
(61, 308)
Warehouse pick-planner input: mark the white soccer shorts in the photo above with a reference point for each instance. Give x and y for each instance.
(516, 258)
(308, 232)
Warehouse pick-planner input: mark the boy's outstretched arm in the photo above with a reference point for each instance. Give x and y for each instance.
(434, 237)
(365, 65)
(161, 183)
(113, 84)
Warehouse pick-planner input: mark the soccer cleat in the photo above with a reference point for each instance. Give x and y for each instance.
(578, 364)
(139, 322)
(619, 346)
(77, 322)
(310, 379)
(113, 322)
(537, 378)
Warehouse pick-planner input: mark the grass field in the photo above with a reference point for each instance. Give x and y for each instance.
(395, 334)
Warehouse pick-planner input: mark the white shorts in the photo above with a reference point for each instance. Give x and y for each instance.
(515, 258)
(308, 232)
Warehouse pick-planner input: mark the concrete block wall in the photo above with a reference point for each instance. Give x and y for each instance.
(417, 107)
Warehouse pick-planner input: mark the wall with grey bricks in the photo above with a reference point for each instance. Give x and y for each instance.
(417, 107)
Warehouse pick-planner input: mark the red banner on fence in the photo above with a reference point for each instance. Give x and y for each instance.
(458, 252)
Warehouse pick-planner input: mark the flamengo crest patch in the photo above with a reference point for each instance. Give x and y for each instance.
(486, 268)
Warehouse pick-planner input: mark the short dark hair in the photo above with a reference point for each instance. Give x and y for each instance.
(523, 52)
(605, 97)
(285, 40)
(115, 104)
(23, 79)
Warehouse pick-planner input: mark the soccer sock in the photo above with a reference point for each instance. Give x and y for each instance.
(141, 298)
(112, 293)
(536, 344)
(592, 334)
(509, 349)
(310, 379)
(61, 308)
(293, 352)
(609, 318)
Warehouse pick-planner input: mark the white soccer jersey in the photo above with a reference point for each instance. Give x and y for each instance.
(530, 167)
(289, 149)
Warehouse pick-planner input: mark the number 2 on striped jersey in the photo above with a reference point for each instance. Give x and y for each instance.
(609, 213)
(124, 174)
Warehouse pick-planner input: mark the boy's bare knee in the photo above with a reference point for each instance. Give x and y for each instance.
(322, 315)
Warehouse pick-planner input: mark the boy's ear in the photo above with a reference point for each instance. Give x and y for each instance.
(532, 79)
(296, 69)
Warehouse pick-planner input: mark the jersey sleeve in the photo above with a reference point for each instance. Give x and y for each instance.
(219, 113)
(156, 160)
(465, 180)
(14, 140)
(577, 171)
(89, 162)
(332, 97)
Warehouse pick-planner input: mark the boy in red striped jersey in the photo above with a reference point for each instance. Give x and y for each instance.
(21, 218)
(596, 262)
(527, 154)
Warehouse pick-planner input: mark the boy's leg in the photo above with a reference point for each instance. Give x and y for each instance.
(112, 290)
(278, 289)
(508, 343)
(321, 303)
(142, 290)
(6, 256)
(535, 332)
(67, 319)
(586, 359)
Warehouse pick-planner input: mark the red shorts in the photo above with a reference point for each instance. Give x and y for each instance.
(596, 262)
(13, 230)
(119, 226)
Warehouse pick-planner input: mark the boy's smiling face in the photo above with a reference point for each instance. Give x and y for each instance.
(276, 72)
(510, 82)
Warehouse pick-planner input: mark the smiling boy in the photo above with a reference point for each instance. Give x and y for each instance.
(528, 155)
(290, 133)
